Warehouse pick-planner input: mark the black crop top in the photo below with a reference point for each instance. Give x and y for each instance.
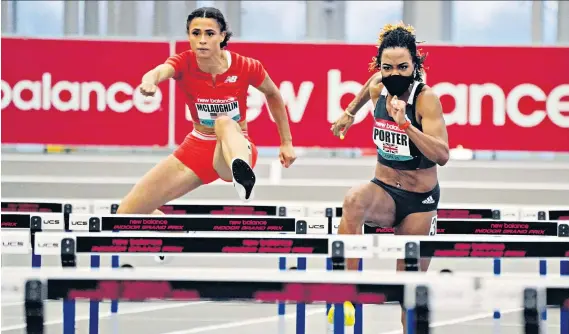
(394, 149)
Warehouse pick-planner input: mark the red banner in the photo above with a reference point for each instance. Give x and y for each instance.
(492, 97)
(78, 92)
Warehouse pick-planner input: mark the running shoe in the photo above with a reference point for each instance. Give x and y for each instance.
(243, 179)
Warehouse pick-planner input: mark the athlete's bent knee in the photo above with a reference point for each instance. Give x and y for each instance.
(222, 123)
(353, 204)
(353, 211)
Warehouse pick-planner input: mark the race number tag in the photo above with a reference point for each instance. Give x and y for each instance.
(433, 229)
(210, 109)
(392, 143)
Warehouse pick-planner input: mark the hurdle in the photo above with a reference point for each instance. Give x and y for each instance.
(418, 291)
(272, 245)
(451, 229)
(136, 223)
(460, 219)
(177, 207)
(197, 207)
(158, 243)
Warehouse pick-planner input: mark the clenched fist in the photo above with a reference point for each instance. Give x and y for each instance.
(148, 89)
(287, 155)
(398, 111)
(342, 124)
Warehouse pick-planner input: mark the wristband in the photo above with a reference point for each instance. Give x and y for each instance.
(348, 113)
(406, 124)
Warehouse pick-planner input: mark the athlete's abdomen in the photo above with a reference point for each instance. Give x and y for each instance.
(418, 180)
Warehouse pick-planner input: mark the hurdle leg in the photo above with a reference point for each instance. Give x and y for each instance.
(281, 305)
(358, 326)
(412, 264)
(114, 303)
(328, 267)
(68, 260)
(36, 261)
(564, 311)
(543, 272)
(339, 318)
(68, 317)
(497, 315)
(338, 260)
(94, 304)
(410, 320)
(34, 306)
(301, 307)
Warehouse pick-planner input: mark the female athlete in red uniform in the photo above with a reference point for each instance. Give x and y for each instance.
(411, 139)
(215, 83)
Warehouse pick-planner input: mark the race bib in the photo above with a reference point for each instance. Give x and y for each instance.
(210, 109)
(392, 143)
(433, 228)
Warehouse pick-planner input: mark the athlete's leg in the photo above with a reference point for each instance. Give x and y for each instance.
(168, 180)
(232, 159)
(233, 142)
(418, 223)
(221, 167)
(366, 203)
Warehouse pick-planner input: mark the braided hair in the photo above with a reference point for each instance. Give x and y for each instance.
(403, 36)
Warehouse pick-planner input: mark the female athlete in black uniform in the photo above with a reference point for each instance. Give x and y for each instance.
(411, 139)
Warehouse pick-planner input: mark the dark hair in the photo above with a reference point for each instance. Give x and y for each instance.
(399, 35)
(211, 13)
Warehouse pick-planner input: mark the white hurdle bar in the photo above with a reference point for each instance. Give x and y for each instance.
(288, 208)
(419, 293)
(476, 214)
(278, 245)
(205, 223)
(18, 241)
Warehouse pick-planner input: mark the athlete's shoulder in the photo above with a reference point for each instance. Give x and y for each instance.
(375, 88)
(426, 93)
(180, 58)
(427, 99)
(245, 62)
(188, 54)
(254, 70)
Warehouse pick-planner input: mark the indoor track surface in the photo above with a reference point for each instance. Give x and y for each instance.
(24, 177)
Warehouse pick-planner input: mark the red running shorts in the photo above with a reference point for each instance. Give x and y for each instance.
(196, 153)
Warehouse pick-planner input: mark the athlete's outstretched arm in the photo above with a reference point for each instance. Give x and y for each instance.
(276, 108)
(433, 141)
(159, 73)
(363, 96)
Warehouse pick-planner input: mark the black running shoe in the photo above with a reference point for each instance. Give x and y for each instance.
(243, 179)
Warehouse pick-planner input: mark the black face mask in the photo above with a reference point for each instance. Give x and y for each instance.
(397, 84)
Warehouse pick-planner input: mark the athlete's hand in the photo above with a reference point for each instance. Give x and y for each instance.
(148, 89)
(287, 155)
(398, 111)
(342, 125)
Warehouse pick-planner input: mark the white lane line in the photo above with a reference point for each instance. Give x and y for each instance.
(549, 325)
(108, 314)
(312, 312)
(4, 304)
(460, 320)
(243, 323)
